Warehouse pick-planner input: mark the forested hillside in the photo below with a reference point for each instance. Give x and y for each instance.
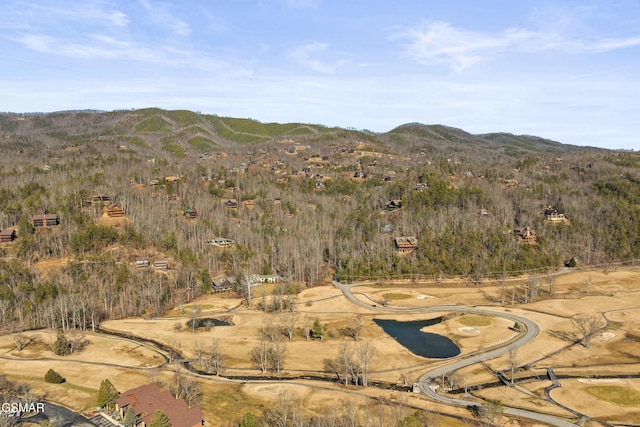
(298, 200)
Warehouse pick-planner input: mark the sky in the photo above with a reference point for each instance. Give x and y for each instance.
(563, 70)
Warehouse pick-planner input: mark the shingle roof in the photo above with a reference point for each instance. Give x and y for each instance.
(147, 399)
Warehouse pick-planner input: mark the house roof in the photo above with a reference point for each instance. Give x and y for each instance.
(406, 241)
(7, 232)
(45, 216)
(147, 399)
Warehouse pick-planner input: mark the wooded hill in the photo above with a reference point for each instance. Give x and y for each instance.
(298, 200)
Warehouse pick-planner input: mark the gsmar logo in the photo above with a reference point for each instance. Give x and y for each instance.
(17, 408)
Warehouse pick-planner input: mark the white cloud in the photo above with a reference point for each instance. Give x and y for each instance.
(89, 12)
(308, 55)
(441, 43)
(159, 13)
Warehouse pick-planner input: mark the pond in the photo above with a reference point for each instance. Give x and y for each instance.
(208, 322)
(423, 344)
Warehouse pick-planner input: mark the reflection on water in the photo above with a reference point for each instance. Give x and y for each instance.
(420, 343)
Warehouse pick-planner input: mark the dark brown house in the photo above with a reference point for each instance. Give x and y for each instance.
(405, 244)
(45, 220)
(527, 235)
(114, 210)
(7, 236)
(147, 399)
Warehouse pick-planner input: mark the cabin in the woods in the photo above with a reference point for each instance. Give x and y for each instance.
(190, 213)
(527, 235)
(8, 235)
(45, 220)
(114, 210)
(405, 244)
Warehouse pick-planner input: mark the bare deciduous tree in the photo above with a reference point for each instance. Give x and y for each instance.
(21, 341)
(269, 330)
(187, 388)
(586, 326)
(277, 353)
(365, 352)
(289, 321)
(354, 327)
(587, 285)
(513, 363)
(286, 411)
(194, 317)
(260, 355)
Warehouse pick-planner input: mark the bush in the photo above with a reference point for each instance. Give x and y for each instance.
(53, 377)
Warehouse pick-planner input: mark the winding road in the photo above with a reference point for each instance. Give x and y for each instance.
(428, 379)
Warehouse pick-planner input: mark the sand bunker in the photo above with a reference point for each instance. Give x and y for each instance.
(270, 389)
(469, 330)
(602, 381)
(606, 336)
(424, 296)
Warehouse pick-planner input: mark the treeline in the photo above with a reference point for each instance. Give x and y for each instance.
(293, 227)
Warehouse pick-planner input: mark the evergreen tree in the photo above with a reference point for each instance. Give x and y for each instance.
(107, 395)
(160, 419)
(249, 420)
(130, 418)
(53, 377)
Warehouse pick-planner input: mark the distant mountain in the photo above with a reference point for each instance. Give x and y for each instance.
(181, 133)
(442, 137)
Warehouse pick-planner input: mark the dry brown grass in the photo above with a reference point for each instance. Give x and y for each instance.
(226, 401)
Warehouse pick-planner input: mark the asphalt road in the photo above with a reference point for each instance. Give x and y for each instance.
(531, 331)
(59, 416)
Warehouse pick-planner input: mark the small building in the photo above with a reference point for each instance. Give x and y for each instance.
(142, 263)
(45, 220)
(161, 264)
(527, 235)
(8, 235)
(98, 198)
(421, 186)
(147, 399)
(405, 244)
(231, 203)
(262, 278)
(222, 242)
(553, 215)
(190, 213)
(223, 284)
(393, 204)
(114, 210)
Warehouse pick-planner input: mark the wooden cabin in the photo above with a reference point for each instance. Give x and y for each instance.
(405, 244)
(8, 235)
(114, 210)
(527, 235)
(190, 213)
(45, 220)
(161, 264)
(142, 263)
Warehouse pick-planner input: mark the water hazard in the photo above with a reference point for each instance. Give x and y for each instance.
(423, 344)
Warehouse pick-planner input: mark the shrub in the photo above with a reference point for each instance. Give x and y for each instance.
(53, 377)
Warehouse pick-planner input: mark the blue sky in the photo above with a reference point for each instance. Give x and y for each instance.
(564, 70)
